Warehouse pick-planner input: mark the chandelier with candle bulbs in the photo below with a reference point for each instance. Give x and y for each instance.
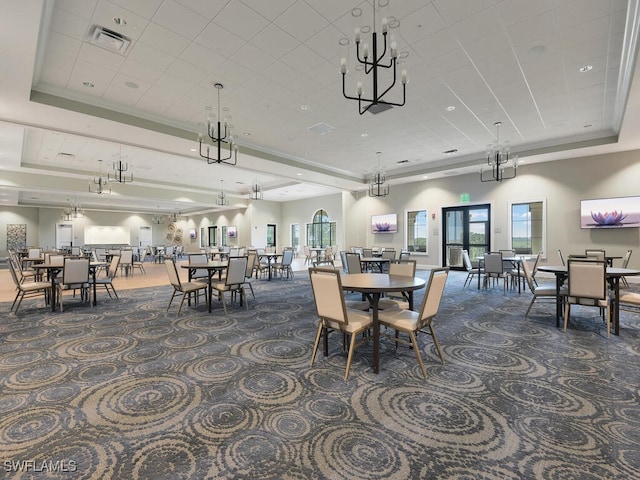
(222, 200)
(498, 158)
(373, 63)
(120, 169)
(218, 145)
(100, 183)
(377, 187)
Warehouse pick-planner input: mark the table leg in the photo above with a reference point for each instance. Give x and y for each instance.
(269, 266)
(559, 282)
(95, 297)
(615, 305)
(210, 288)
(376, 332)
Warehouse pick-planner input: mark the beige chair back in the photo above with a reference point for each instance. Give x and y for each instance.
(625, 260)
(252, 258)
(34, 254)
(493, 263)
(172, 271)
(406, 268)
(126, 257)
(287, 258)
(328, 294)
(598, 254)
(587, 279)
(466, 261)
(198, 259)
(236, 269)
(56, 260)
(76, 271)
(433, 295)
(527, 274)
(353, 262)
(113, 266)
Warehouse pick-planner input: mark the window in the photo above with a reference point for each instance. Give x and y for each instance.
(213, 236)
(322, 232)
(528, 232)
(416, 231)
(295, 236)
(224, 236)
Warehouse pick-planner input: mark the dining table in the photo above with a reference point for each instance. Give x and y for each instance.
(367, 262)
(212, 267)
(372, 286)
(613, 277)
(516, 261)
(53, 269)
(270, 258)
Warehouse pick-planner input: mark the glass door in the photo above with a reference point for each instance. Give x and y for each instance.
(271, 235)
(465, 228)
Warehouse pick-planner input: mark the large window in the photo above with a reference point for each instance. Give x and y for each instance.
(322, 232)
(528, 235)
(295, 236)
(416, 231)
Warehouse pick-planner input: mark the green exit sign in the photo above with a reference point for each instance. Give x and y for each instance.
(465, 198)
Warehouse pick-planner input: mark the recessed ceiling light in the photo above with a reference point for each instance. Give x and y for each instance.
(193, 149)
(364, 134)
(88, 84)
(585, 68)
(299, 174)
(305, 107)
(131, 84)
(356, 12)
(247, 134)
(119, 21)
(450, 108)
(208, 107)
(344, 41)
(588, 125)
(425, 177)
(365, 29)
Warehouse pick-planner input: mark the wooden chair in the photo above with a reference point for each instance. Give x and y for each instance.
(333, 313)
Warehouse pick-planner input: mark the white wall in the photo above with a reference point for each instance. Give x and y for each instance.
(562, 184)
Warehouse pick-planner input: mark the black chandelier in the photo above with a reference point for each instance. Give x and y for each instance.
(371, 64)
(256, 191)
(498, 158)
(219, 138)
(377, 187)
(120, 169)
(73, 211)
(222, 200)
(100, 183)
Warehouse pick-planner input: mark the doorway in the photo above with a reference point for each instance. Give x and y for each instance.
(465, 228)
(271, 235)
(64, 235)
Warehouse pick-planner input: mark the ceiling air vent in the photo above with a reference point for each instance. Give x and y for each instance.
(110, 40)
(321, 128)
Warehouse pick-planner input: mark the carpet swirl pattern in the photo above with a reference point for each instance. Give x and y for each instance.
(126, 390)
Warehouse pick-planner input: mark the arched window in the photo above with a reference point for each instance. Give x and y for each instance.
(321, 232)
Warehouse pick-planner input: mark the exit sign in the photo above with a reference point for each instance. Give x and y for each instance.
(465, 198)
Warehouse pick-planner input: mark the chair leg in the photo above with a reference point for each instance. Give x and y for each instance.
(352, 345)
(436, 343)
(416, 348)
(530, 305)
(171, 300)
(567, 312)
(317, 342)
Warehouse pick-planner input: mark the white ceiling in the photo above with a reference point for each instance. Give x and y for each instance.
(513, 61)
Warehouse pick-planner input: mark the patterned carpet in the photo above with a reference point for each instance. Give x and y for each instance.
(127, 391)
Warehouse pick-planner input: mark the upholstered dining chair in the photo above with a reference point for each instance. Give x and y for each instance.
(252, 260)
(107, 282)
(284, 267)
(588, 286)
(412, 323)
(126, 261)
(75, 276)
(185, 289)
(234, 282)
(596, 253)
(471, 270)
(540, 291)
(625, 264)
(494, 269)
(333, 313)
(406, 268)
(353, 262)
(200, 274)
(26, 288)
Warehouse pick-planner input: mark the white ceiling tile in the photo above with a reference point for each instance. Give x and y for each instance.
(476, 26)
(122, 95)
(334, 9)
(164, 40)
(290, 21)
(253, 58)
(106, 12)
(68, 24)
(453, 11)
(281, 73)
(174, 84)
(241, 20)
(303, 59)
(53, 75)
(275, 41)
(182, 21)
(82, 8)
(144, 8)
(202, 57)
(93, 72)
(420, 25)
(325, 43)
(534, 29)
(187, 71)
(516, 11)
(207, 8)
(100, 57)
(150, 56)
(101, 83)
(140, 71)
(60, 46)
(435, 45)
(234, 73)
(271, 9)
(219, 40)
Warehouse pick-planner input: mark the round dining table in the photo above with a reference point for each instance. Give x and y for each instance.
(613, 277)
(212, 266)
(373, 285)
